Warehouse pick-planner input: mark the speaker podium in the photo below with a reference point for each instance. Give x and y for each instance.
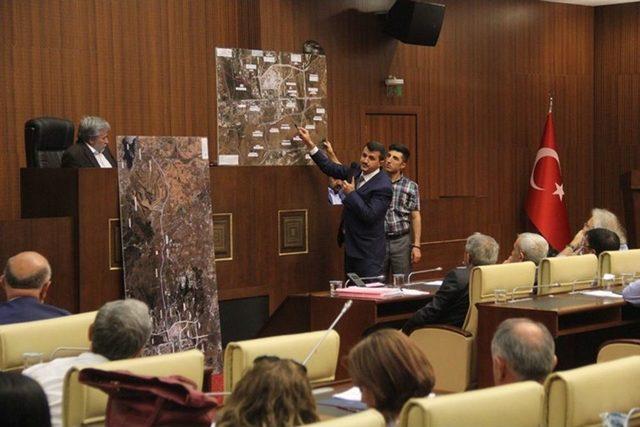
(90, 198)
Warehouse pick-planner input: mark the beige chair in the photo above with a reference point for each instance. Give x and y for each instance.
(44, 336)
(512, 405)
(450, 350)
(85, 406)
(368, 418)
(564, 274)
(576, 398)
(618, 262)
(617, 349)
(239, 356)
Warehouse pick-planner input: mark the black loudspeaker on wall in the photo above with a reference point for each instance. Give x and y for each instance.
(415, 22)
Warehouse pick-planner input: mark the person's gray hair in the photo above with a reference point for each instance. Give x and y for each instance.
(603, 218)
(482, 249)
(534, 247)
(121, 329)
(90, 127)
(35, 280)
(530, 357)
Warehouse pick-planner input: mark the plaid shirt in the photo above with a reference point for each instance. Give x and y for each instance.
(405, 200)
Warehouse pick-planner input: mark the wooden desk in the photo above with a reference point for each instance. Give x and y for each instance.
(315, 311)
(90, 197)
(579, 324)
(324, 392)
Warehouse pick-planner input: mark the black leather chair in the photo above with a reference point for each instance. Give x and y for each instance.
(46, 138)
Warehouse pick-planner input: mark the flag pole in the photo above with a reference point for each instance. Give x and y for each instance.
(550, 103)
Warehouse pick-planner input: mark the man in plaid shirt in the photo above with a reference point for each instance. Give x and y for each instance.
(403, 222)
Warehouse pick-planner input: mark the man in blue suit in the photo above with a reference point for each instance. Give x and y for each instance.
(368, 193)
(26, 280)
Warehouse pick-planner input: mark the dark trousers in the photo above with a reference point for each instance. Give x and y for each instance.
(362, 267)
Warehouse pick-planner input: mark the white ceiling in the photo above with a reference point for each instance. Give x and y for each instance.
(592, 2)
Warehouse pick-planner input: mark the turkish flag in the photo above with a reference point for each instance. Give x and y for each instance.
(545, 201)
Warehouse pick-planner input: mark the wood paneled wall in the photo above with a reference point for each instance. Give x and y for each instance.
(148, 67)
(617, 101)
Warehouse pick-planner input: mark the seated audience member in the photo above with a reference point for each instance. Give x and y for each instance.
(91, 150)
(631, 293)
(274, 392)
(600, 218)
(390, 369)
(522, 350)
(26, 280)
(528, 247)
(451, 301)
(598, 240)
(120, 331)
(22, 402)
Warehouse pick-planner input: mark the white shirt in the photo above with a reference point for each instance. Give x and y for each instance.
(102, 160)
(51, 375)
(366, 177)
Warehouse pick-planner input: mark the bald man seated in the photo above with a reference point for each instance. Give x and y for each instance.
(26, 280)
(522, 350)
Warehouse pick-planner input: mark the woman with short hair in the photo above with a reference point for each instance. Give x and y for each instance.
(390, 369)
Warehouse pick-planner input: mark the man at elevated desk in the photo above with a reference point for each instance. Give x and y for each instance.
(91, 150)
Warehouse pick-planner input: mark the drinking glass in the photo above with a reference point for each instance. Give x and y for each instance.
(627, 278)
(398, 280)
(334, 285)
(500, 295)
(31, 358)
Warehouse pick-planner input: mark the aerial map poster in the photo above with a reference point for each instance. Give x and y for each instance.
(262, 96)
(167, 241)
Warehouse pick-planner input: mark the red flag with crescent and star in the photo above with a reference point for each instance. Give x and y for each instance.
(545, 201)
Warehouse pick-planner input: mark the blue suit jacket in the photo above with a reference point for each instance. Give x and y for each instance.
(26, 309)
(364, 210)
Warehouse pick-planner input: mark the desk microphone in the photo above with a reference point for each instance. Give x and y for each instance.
(345, 308)
(430, 270)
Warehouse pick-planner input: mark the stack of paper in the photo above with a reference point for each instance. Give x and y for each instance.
(602, 293)
(368, 293)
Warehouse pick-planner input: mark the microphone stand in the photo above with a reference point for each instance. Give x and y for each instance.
(345, 308)
(430, 270)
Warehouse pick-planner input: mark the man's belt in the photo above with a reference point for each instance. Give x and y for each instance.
(397, 236)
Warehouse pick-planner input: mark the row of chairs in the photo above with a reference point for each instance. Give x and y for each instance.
(85, 406)
(452, 351)
(66, 336)
(574, 398)
(563, 274)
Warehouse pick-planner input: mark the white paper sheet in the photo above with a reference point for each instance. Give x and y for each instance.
(353, 393)
(413, 292)
(607, 294)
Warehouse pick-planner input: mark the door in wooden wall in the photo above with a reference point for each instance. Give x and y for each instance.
(390, 128)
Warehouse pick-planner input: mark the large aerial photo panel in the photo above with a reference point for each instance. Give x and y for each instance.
(262, 97)
(167, 241)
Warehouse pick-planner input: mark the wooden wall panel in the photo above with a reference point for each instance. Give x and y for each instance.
(148, 66)
(57, 247)
(617, 105)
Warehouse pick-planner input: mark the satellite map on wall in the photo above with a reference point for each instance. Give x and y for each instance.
(262, 96)
(167, 241)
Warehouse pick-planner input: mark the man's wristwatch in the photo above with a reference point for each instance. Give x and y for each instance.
(416, 246)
